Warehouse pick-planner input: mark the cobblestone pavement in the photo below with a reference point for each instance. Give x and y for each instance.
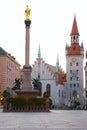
(53, 120)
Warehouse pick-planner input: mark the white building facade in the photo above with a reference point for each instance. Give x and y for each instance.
(48, 78)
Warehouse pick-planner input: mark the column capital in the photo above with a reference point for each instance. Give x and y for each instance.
(27, 22)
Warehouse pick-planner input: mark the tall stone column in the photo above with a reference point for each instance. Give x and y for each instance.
(26, 90)
(27, 68)
(27, 43)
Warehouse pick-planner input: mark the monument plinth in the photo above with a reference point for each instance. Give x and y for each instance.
(26, 90)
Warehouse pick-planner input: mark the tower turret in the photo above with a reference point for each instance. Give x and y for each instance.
(66, 49)
(74, 48)
(57, 64)
(39, 52)
(74, 32)
(82, 48)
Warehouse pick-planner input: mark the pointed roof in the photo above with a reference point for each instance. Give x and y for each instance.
(2, 51)
(51, 67)
(74, 30)
(74, 49)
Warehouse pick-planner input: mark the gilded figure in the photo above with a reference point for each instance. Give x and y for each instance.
(27, 13)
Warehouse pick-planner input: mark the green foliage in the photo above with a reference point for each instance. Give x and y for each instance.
(46, 94)
(20, 102)
(41, 101)
(31, 101)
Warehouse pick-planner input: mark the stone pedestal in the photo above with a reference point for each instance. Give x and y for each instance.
(27, 78)
(26, 93)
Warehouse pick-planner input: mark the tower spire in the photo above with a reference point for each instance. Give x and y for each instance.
(74, 30)
(39, 52)
(57, 64)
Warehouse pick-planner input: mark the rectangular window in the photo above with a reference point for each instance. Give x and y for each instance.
(48, 89)
(70, 85)
(77, 71)
(70, 71)
(74, 85)
(59, 93)
(77, 84)
(70, 78)
(77, 78)
(62, 93)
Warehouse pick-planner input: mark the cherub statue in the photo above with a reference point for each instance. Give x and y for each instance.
(27, 13)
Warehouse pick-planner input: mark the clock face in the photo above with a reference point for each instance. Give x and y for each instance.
(74, 59)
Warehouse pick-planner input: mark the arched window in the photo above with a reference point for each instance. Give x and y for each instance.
(59, 92)
(40, 89)
(48, 89)
(62, 93)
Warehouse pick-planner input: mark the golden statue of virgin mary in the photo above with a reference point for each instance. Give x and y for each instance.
(27, 13)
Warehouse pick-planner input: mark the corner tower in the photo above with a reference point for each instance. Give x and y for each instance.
(74, 65)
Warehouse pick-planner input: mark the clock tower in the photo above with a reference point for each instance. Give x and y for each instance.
(74, 66)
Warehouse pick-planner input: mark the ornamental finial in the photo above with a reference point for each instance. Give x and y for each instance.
(27, 13)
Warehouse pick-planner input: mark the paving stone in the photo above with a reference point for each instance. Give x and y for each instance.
(53, 120)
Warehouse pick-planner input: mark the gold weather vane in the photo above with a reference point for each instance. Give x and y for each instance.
(27, 13)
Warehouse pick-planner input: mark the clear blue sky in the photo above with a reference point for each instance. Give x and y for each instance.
(51, 26)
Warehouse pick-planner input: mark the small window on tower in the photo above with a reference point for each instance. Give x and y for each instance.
(74, 85)
(77, 78)
(74, 38)
(70, 63)
(70, 85)
(77, 71)
(59, 93)
(77, 64)
(70, 78)
(71, 71)
(78, 85)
